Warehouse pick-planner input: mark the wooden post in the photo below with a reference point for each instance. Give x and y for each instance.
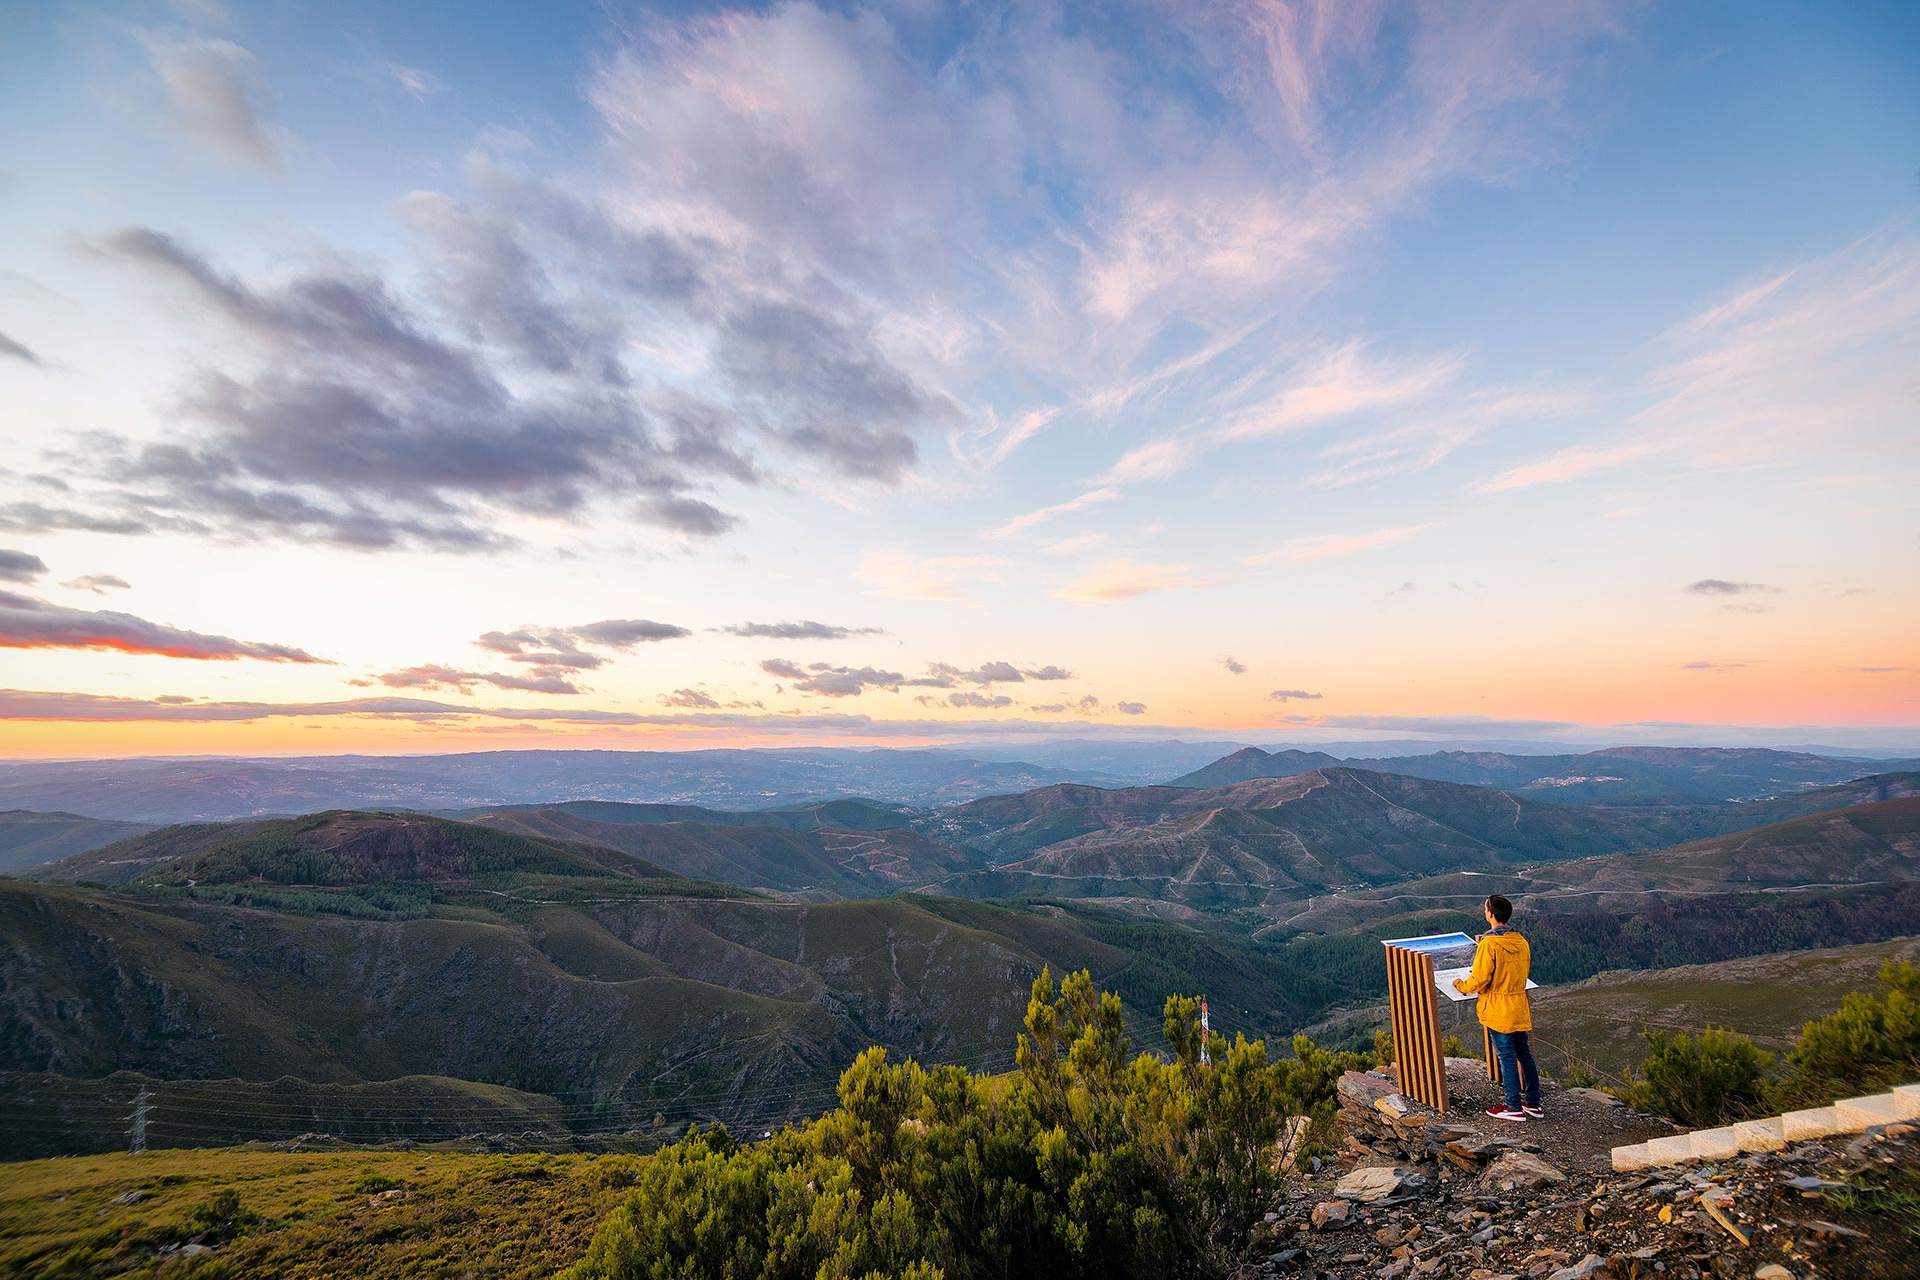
(1414, 1006)
(1493, 1059)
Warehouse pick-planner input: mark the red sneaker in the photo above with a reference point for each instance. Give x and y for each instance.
(1501, 1111)
(1534, 1113)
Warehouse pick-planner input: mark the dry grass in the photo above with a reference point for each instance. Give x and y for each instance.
(305, 1215)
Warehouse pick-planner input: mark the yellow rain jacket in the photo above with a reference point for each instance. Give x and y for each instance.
(1500, 962)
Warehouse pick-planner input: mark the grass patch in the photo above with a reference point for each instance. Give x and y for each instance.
(303, 1215)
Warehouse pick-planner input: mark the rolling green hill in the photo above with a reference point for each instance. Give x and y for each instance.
(349, 948)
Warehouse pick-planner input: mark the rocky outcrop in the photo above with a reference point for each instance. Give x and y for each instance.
(1419, 1195)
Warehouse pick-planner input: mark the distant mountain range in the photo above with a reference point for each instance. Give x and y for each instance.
(220, 789)
(641, 958)
(1863, 834)
(1255, 846)
(159, 791)
(1614, 775)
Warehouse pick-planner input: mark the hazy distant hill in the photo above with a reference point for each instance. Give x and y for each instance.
(218, 789)
(1251, 762)
(1874, 843)
(339, 848)
(28, 839)
(1614, 775)
(1254, 844)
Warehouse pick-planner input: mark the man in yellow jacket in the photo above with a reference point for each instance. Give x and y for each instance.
(1499, 977)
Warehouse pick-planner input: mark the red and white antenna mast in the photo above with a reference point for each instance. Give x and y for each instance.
(1206, 1055)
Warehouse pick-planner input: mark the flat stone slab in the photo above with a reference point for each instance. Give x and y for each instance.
(1906, 1098)
(1714, 1144)
(1760, 1135)
(1630, 1159)
(1815, 1122)
(1858, 1113)
(1670, 1150)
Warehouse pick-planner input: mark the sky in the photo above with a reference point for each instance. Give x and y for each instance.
(440, 377)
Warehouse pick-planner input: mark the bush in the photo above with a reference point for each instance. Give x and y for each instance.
(1700, 1080)
(217, 1220)
(1871, 1042)
(1087, 1161)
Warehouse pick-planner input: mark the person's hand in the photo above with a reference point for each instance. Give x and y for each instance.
(1458, 987)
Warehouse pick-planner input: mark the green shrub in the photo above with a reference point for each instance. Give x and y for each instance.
(1871, 1042)
(1576, 1073)
(216, 1220)
(1700, 1080)
(1088, 1160)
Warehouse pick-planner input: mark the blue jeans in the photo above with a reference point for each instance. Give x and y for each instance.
(1516, 1056)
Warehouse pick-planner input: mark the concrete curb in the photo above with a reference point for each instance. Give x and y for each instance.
(1850, 1115)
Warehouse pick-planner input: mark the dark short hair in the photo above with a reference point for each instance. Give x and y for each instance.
(1501, 908)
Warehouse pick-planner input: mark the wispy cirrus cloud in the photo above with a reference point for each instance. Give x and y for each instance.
(937, 578)
(1019, 523)
(217, 97)
(1341, 383)
(1123, 580)
(420, 83)
(1574, 463)
(1074, 545)
(30, 623)
(1293, 695)
(1322, 546)
(1792, 366)
(1155, 460)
